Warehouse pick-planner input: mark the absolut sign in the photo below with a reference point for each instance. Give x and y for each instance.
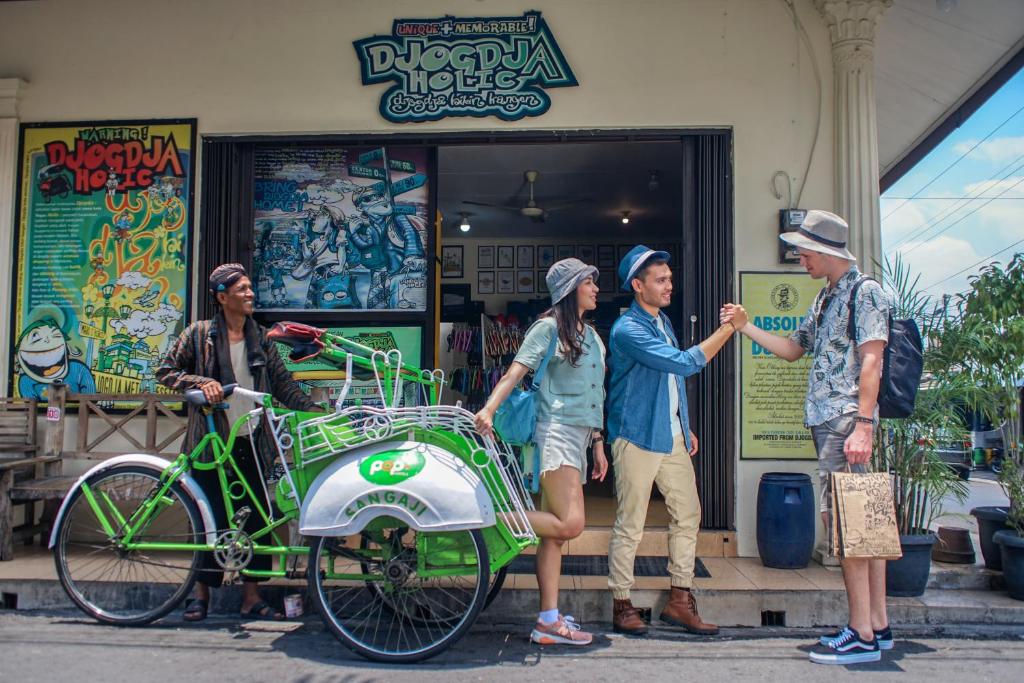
(496, 66)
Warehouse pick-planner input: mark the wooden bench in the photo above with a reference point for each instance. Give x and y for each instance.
(20, 462)
(50, 486)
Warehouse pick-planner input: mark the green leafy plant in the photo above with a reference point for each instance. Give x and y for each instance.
(906, 448)
(986, 341)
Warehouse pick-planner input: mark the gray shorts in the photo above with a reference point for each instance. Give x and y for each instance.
(559, 445)
(829, 440)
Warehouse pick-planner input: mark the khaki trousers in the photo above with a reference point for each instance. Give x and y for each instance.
(636, 470)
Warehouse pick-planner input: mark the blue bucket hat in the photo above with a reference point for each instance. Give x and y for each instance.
(634, 261)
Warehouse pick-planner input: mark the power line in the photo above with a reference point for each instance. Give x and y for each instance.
(957, 161)
(950, 210)
(978, 263)
(969, 213)
(1005, 199)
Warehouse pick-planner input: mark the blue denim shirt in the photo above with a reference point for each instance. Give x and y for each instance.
(638, 394)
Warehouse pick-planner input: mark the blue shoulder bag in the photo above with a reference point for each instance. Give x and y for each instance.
(516, 418)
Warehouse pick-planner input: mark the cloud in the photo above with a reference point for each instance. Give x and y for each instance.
(1007, 187)
(299, 172)
(142, 324)
(133, 280)
(937, 259)
(997, 150)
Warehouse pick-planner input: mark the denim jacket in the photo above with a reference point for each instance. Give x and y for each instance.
(638, 394)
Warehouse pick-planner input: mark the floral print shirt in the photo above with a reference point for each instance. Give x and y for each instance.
(832, 388)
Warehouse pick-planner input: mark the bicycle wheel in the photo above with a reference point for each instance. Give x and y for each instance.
(418, 608)
(127, 587)
(497, 581)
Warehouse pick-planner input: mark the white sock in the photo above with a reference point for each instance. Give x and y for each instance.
(548, 616)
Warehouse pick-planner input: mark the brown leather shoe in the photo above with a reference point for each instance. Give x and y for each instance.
(681, 610)
(626, 619)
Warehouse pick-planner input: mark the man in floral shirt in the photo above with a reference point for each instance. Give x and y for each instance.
(841, 408)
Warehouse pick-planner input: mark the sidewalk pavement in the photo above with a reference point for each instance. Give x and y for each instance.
(741, 592)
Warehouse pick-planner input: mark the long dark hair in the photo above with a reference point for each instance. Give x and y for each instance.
(568, 323)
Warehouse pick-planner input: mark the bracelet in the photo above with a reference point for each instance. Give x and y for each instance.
(864, 420)
(596, 437)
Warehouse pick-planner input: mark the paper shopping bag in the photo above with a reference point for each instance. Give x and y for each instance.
(863, 517)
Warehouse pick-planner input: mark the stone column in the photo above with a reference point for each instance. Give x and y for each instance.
(852, 25)
(10, 89)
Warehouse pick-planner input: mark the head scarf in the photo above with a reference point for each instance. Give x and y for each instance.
(223, 276)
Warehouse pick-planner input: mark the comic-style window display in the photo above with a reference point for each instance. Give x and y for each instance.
(341, 228)
(103, 243)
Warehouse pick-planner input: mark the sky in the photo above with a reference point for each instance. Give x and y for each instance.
(962, 206)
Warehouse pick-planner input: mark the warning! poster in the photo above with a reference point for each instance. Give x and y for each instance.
(103, 242)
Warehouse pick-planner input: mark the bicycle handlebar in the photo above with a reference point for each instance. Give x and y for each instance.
(197, 398)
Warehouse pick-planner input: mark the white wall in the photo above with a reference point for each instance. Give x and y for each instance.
(265, 66)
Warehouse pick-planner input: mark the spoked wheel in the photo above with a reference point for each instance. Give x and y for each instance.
(425, 590)
(116, 585)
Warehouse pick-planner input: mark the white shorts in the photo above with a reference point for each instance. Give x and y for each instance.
(559, 445)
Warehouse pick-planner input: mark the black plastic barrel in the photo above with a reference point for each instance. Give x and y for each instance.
(785, 520)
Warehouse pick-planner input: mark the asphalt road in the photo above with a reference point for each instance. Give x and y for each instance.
(984, 490)
(58, 647)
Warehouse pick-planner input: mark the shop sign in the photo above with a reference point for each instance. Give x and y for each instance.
(773, 390)
(465, 66)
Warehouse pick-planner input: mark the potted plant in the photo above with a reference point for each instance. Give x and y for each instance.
(1011, 541)
(990, 318)
(906, 448)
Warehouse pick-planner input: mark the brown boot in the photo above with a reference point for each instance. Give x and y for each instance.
(626, 619)
(681, 610)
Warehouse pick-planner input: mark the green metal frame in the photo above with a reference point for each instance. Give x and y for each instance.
(438, 554)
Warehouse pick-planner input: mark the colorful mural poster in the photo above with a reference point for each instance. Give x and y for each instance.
(364, 389)
(341, 228)
(103, 244)
(772, 390)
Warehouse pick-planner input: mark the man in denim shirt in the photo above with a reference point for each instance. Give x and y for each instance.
(649, 427)
(841, 407)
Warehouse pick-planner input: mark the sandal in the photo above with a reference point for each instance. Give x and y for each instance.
(196, 609)
(261, 610)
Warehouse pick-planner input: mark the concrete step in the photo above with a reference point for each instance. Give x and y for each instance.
(594, 541)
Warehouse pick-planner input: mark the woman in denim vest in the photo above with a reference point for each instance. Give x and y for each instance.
(570, 415)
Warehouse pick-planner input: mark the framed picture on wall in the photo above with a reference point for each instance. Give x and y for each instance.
(524, 282)
(506, 257)
(566, 251)
(506, 281)
(485, 282)
(605, 256)
(485, 256)
(542, 284)
(451, 261)
(545, 255)
(585, 253)
(524, 256)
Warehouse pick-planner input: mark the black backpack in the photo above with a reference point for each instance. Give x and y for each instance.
(902, 365)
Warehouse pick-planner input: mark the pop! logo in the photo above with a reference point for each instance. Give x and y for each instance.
(391, 467)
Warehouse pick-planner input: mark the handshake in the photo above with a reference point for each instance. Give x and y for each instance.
(735, 315)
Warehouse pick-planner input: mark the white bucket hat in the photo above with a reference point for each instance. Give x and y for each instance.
(823, 232)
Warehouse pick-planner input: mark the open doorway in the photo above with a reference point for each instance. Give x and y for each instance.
(509, 211)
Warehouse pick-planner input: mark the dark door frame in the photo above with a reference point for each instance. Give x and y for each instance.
(706, 234)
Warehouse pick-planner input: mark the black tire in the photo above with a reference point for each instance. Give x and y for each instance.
(497, 581)
(997, 466)
(127, 588)
(419, 619)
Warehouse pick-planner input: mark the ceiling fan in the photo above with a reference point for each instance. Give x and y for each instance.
(530, 209)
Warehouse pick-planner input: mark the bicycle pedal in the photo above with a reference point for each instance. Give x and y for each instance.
(241, 516)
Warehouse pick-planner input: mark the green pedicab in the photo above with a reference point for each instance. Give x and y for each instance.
(408, 515)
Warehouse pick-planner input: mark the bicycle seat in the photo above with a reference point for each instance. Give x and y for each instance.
(197, 398)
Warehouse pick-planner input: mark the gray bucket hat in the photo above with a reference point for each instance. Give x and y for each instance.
(565, 276)
(823, 232)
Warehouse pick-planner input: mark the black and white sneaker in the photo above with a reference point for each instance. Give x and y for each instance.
(883, 636)
(847, 648)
